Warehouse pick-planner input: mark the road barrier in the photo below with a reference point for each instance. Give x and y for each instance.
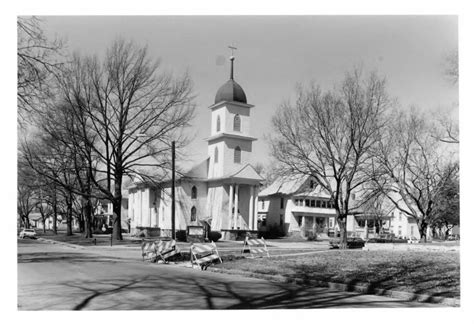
(149, 251)
(257, 247)
(152, 251)
(166, 249)
(204, 254)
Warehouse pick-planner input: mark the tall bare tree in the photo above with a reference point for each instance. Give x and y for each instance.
(132, 112)
(446, 206)
(407, 166)
(328, 135)
(39, 59)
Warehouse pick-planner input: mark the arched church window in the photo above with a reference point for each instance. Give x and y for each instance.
(216, 155)
(237, 155)
(218, 125)
(193, 214)
(237, 123)
(193, 192)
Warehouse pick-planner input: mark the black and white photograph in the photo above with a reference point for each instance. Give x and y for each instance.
(238, 162)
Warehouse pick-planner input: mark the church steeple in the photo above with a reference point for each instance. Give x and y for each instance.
(231, 90)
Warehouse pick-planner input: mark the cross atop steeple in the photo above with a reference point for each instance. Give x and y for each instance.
(232, 48)
(232, 58)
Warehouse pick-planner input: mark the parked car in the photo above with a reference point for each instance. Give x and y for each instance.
(28, 232)
(352, 243)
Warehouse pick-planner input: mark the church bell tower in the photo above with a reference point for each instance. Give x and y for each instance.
(230, 143)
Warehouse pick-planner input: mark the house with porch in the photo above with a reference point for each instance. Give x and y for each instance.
(299, 206)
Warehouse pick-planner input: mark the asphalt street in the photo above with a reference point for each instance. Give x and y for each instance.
(56, 277)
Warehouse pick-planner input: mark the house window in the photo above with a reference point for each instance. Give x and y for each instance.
(313, 203)
(300, 218)
(216, 155)
(237, 123)
(282, 203)
(311, 184)
(193, 192)
(399, 230)
(193, 214)
(306, 202)
(412, 230)
(331, 222)
(323, 204)
(281, 220)
(237, 154)
(218, 124)
(263, 204)
(318, 203)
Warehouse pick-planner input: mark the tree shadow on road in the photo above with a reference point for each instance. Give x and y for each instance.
(198, 290)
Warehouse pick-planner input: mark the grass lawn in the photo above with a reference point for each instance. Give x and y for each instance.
(432, 273)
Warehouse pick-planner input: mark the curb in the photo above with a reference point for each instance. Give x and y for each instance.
(74, 246)
(357, 287)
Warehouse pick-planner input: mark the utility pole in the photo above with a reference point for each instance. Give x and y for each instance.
(173, 203)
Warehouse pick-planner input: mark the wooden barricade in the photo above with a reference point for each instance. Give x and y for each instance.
(257, 247)
(203, 254)
(149, 252)
(166, 249)
(152, 251)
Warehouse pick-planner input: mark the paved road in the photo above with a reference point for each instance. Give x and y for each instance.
(55, 277)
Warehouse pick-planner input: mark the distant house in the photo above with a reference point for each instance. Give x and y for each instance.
(298, 205)
(103, 213)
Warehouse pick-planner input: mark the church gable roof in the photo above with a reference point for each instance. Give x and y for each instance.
(199, 170)
(247, 172)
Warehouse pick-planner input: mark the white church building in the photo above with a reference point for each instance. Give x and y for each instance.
(221, 191)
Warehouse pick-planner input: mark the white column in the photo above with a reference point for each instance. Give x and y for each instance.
(236, 205)
(251, 206)
(231, 197)
(255, 209)
(366, 230)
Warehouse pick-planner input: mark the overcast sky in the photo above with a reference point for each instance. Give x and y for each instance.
(277, 52)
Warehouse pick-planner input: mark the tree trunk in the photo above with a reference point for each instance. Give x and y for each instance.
(117, 222)
(342, 221)
(69, 216)
(422, 228)
(117, 204)
(55, 215)
(87, 219)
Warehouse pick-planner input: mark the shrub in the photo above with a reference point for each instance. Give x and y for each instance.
(274, 231)
(214, 236)
(181, 235)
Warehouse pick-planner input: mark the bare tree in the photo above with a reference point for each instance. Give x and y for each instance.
(26, 200)
(39, 59)
(328, 135)
(132, 112)
(407, 166)
(447, 126)
(376, 207)
(451, 70)
(446, 206)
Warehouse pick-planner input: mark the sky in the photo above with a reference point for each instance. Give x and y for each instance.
(275, 53)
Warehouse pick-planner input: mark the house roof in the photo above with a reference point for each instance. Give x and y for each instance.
(34, 216)
(285, 185)
(318, 191)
